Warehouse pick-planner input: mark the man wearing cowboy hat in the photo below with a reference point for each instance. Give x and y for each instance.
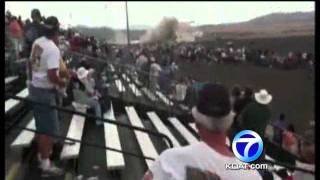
(85, 92)
(256, 115)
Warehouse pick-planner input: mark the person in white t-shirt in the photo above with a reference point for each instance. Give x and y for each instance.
(44, 65)
(181, 90)
(213, 117)
(155, 70)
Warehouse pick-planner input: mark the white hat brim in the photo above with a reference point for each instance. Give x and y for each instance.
(262, 101)
(84, 75)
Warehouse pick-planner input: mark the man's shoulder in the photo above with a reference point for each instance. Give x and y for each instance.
(180, 152)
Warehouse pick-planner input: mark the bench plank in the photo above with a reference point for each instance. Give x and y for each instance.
(75, 131)
(10, 103)
(276, 167)
(125, 77)
(135, 90)
(162, 128)
(183, 130)
(115, 160)
(10, 79)
(25, 137)
(120, 86)
(164, 98)
(143, 139)
(150, 95)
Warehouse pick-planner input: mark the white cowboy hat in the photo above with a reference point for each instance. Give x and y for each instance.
(263, 97)
(82, 73)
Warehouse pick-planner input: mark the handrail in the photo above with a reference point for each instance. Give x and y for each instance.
(288, 166)
(85, 143)
(295, 134)
(150, 158)
(101, 60)
(95, 117)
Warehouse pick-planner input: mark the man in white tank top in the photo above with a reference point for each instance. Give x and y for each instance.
(213, 117)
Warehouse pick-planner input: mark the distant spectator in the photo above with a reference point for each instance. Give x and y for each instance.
(290, 142)
(213, 116)
(16, 33)
(85, 92)
(245, 99)
(307, 155)
(235, 94)
(155, 70)
(280, 125)
(33, 31)
(181, 90)
(256, 115)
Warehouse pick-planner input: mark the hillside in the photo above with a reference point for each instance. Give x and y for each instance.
(272, 25)
(268, 26)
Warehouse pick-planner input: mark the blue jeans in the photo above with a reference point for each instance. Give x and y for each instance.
(94, 103)
(46, 118)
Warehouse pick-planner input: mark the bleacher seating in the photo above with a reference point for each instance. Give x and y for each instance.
(25, 137)
(164, 98)
(189, 137)
(10, 79)
(161, 127)
(143, 139)
(149, 94)
(135, 90)
(115, 160)
(11, 103)
(120, 86)
(75, 131)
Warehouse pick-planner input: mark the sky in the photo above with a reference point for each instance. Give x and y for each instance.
(112, 14)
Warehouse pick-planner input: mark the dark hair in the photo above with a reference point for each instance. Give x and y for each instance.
(51, 26)
(282, 116)
(236, 91)
(35, 13)
(291, 128)
(248, 92)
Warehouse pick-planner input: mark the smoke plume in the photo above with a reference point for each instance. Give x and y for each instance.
(165, 31)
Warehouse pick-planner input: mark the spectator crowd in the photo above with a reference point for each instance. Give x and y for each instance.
(218, 113)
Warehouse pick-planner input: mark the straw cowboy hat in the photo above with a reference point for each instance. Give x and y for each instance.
(263, 97)
(82, 73)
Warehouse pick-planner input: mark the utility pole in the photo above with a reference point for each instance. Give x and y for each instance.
(128, 31)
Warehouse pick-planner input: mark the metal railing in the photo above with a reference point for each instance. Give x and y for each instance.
(94, 117)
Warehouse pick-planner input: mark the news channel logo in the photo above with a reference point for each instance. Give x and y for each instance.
(247, 146)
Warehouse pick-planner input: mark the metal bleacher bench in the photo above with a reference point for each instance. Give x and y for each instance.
(115, 160)
(183, 130)
(25, 137)
(135, 90)
(120, 86)
(10, 79)
(143, 139)
(125, 77)
(149, 94)
(11, 103)
(162, 128)
(164, 98)
(75, 131)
